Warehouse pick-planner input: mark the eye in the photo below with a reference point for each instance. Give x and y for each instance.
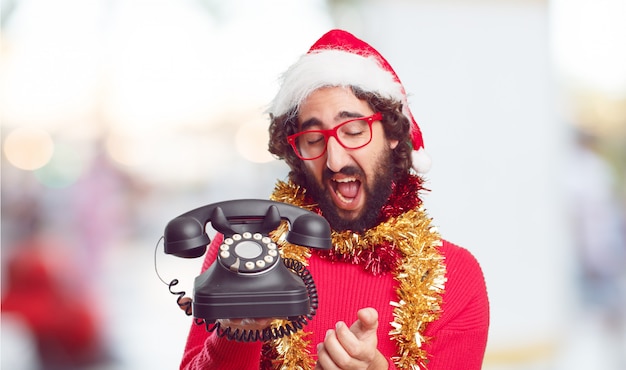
(313, 142)
(312, 138)
(354, 133)
(354, 128)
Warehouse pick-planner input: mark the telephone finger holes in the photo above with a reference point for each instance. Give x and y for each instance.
(255, 251)
(224, 251)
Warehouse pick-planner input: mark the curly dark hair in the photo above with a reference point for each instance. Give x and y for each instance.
(396, 126)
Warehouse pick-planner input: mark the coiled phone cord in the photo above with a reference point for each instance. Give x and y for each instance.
(269, 333)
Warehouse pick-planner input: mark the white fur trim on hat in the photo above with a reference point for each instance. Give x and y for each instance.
(421, 161)
(333, 68)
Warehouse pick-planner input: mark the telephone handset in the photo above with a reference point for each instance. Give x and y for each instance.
(248, 279)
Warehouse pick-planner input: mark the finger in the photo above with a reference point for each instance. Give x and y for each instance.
(324, 359)
(344, 349)
(185, 305)
(360, 340)
(246, 324)
(366, 323)
(348, 343)
(256, 323)
(322, 356)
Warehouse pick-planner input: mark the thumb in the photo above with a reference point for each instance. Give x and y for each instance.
(366, 323)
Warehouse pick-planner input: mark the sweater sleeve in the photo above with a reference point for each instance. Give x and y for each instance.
(206, 350)
(459, 337)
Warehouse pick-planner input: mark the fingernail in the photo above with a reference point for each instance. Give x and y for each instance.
(329, 332)
(339, 324)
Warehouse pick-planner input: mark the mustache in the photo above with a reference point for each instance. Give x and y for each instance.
(348, 171)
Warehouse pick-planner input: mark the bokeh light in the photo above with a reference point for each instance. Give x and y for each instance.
(128, 150)
(64, 168)
(251, 140)
(28, 148)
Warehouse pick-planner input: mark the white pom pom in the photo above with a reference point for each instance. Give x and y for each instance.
(421, 161)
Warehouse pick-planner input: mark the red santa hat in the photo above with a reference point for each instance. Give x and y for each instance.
(340, 59)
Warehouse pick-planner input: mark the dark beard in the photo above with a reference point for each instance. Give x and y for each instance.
(376, 196)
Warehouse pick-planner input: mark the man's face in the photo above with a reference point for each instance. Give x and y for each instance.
(350, 185)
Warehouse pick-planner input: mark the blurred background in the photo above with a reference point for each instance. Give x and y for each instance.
(120, 115)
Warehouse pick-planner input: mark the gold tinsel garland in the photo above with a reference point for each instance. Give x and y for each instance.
(420, 275)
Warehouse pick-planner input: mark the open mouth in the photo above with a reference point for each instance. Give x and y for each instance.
(345, 190)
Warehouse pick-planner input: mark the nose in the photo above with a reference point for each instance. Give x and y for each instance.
(337, 156)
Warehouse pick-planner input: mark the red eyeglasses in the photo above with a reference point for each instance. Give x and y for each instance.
(352, 134)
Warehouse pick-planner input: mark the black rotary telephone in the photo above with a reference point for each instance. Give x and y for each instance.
(249, 279)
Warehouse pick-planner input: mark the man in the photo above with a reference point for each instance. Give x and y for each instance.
(392, 293)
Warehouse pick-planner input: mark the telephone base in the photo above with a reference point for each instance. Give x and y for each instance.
(221, 294)
(251, 305)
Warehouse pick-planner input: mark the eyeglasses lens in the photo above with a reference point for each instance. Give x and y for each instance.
(351, 134)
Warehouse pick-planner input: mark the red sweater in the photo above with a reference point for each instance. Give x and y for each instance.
(459, 336)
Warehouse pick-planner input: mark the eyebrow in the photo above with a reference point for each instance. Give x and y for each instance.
(313, 122)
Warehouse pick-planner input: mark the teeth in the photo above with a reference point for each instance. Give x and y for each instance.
(345, 180)
(339, 195)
